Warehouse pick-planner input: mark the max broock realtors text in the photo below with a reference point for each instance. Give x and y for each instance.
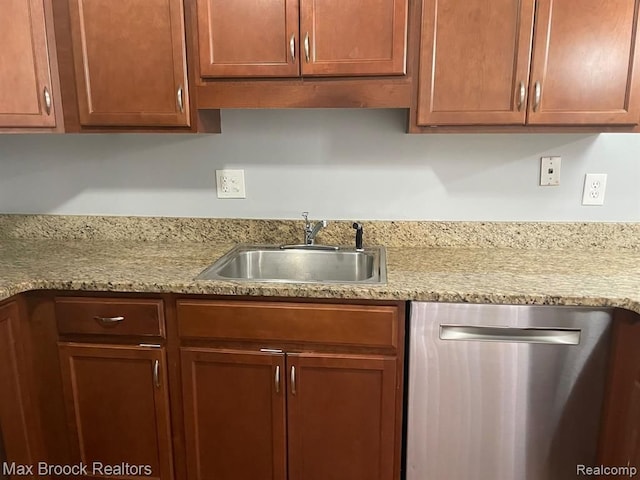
(41, 469)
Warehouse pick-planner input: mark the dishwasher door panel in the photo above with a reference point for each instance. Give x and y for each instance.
(511, 393)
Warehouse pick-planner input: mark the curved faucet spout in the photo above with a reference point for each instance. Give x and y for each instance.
(310, 231)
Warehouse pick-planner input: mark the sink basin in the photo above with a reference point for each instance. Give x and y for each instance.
(306, 264)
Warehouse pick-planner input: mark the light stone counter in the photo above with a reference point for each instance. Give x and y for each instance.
(578, 276)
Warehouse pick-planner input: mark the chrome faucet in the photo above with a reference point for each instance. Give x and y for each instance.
(310, 231)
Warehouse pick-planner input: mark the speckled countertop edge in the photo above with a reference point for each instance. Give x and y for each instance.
(610, 278)
(528, 235)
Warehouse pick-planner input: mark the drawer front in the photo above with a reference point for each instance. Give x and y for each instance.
(358, 325)
(110, 316)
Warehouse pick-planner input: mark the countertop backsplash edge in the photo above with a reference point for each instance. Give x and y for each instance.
(519, 235)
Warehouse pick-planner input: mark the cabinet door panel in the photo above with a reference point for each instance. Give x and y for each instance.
(244, 38)
(16, 421)
(117, 409)
(620, 434)
(341, 417)
(234, 414)
(474, 64)
(25, 72)
(355, 37)
(585, 63)
(130, 62)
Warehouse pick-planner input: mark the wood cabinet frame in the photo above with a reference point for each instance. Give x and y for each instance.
(539, 121)
(204, 120)
(46, 70)
(307, 92)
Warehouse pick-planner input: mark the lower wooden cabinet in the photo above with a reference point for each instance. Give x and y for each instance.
(118, 410)
(296, 416)
(620, 440)
(341, 416)
(290, 391)
(16, 419)
(203, 389)
(235, 414)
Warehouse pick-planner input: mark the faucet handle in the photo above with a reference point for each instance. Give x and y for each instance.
(305, 215)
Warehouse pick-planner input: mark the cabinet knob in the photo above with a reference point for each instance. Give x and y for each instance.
(293, 380)
(521, 96)
(306, 47)
(47, 100)
(277, 379)
(292, 47)
(156, 373)
(180, 98)
(537, 96)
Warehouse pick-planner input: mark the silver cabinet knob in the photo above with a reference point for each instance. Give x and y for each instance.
(537, 96)
(180, 98)
(47, 100)
(306, 47)
(292, 47)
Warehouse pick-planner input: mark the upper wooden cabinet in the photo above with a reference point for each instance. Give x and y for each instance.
(287, 38)
(474, 67)
(245, 38)
(490, 63)
(130, 62)
(26, 87)
(586, 65)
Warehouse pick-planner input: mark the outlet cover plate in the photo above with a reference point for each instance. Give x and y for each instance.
(595, 185)
(230, 184)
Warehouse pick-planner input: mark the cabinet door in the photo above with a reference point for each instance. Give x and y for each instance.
(16, 420)
(353, 38)
(117, 404)
(585, 65)
(341, 417)
(234, 408)
(620, 434)
(474, 62)
(25, 79)
(130, 62)
(248, 38)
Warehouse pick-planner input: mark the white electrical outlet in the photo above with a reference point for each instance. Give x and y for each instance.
(550, 171)
(595, 185)
(230, 184)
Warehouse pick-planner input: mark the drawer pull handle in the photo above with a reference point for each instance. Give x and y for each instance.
(109, 321)
(156, 373)
(277, 378)
(293, 380)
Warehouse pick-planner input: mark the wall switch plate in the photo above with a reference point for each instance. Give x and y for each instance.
(595, 185)
(230, 184)
(550, 171)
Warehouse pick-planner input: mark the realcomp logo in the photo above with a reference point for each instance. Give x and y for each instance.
(609, 471)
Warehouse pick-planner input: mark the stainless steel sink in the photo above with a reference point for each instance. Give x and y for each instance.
(306, 264)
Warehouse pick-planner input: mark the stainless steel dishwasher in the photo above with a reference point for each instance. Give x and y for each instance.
(499, 392)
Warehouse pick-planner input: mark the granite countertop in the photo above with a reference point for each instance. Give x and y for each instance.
(562, 276)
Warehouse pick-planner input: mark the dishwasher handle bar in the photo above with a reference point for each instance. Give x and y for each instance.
(550, 336)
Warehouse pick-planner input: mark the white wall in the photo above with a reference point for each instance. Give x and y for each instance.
(338, 164)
